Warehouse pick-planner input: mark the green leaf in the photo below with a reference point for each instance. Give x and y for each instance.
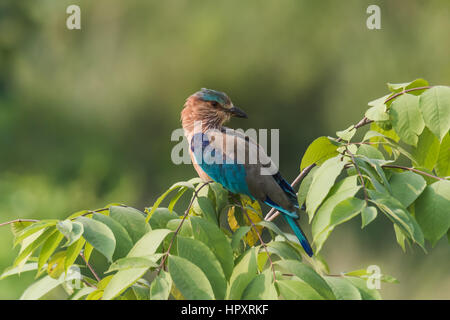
(398, 214)
(186, 228)
(71, 230)
(131, 262)
(433, 210)
(200, 255)
(304, 187)
(205, 207)
(365, 292)
(132, 220)
(29, 249)
(308, 275)
(427, 150)
(347, 134)
(149, 243)
(368, 214)
(160, 218)
(145, 247)
(189, 279)
(322, 182)
(17, 270)
(398, 87)
(220, 196)
(41, 287)
(406, 118)
(318, 151)
(443, 161)
(243, 273)
(406, 187)
(48, 248)
(178, 185)
(370, 152)
(435, 108)
(99, 236)
(343, 289)
(345, 210)
(33, 228)
(237, 236)
(123, 240)
(72, 253)
(160, 286)
(210, 234)
(377, 112)
(342, 190)
(18, 226)
(297, 290)
(261, 288)
(283, 250)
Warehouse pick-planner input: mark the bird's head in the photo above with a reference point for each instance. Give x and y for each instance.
(211, 107)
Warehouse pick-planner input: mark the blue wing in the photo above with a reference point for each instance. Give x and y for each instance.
(228, 172)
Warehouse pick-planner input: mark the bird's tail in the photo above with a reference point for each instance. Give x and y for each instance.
(299, 233)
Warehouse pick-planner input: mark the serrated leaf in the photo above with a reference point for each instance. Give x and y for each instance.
(189, 279)
(432, 210)
(99, 236)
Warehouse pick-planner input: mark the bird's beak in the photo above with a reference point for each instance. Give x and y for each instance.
(239, 113)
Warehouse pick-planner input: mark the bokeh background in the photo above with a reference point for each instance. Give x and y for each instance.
(86, 115)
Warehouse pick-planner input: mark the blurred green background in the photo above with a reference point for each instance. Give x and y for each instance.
(86, 115)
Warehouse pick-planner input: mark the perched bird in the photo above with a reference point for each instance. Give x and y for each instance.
(233, 159)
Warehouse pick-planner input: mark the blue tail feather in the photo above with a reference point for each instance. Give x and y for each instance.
(298, 232)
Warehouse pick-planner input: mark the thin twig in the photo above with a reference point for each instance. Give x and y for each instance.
(412, 169)
(186, 213)
(17, 220)
(90, 267)
(406, 91)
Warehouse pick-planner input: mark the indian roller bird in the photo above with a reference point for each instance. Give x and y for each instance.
(223, 155)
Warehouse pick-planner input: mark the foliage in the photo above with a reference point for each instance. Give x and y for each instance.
(216, 250)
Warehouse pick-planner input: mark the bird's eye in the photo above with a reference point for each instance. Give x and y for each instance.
(214, 103)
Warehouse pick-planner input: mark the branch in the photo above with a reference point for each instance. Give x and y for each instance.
(406, 91)
(90, 267)
(17, 220)
(412, 169)
(186, 213)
